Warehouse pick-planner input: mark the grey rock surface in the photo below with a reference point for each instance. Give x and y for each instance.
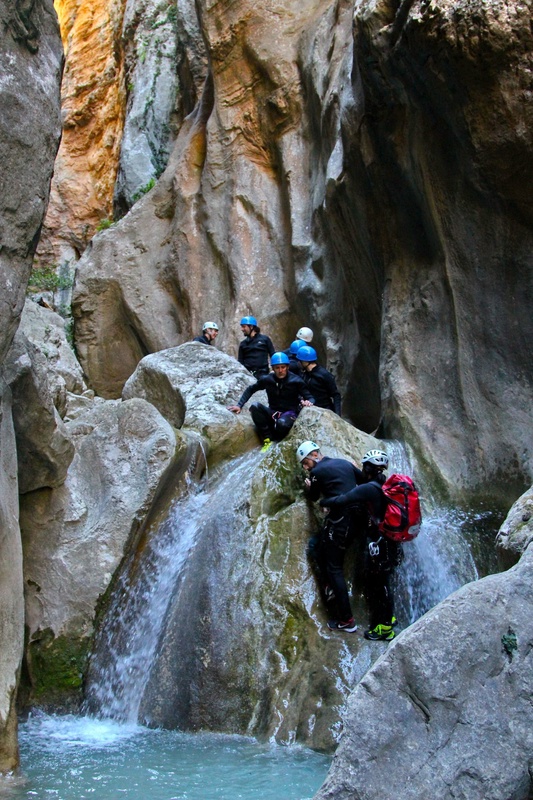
(30, 76)
(11, 585)
(44, 449)
(446, 711)
(192, 385)
(30, 126)
(516, 533)
(46, 331)
(75, 535)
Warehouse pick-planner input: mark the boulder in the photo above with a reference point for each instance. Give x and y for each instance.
(44, 447)
(46, 331)
(516, 533)
(75, 535)
(446, 711)
(192, 385)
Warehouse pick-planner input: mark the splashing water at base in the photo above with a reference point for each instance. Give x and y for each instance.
(77, 758)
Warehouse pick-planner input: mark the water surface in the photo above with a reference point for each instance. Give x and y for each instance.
(82, 758)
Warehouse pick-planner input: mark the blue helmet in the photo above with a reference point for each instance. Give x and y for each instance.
(248, 321)
(306, 353)
(279, 358)
(295, 346)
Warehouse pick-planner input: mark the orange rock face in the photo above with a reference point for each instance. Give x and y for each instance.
(93, 102)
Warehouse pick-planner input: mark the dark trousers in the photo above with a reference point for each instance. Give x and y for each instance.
(382, 556)
(270, 423)
(327, 551)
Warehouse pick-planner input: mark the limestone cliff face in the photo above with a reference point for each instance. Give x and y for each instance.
(360, 169)
(30, 71)
(93, 104)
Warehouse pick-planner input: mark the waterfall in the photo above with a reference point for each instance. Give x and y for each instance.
(439, 560)
(214, 623)
(127, 643)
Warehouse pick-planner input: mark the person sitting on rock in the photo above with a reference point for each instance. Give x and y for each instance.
(382, 555)
(319, 380)
(286, 393)
(209, 333)
(327, 550)
(255, 348)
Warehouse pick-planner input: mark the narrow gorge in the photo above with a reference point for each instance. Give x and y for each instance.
(363, 168)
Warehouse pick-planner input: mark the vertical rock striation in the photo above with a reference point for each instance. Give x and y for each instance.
(93, 103)
(29, 134)
(361, 170)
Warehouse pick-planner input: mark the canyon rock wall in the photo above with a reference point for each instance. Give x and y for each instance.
(30, 73)
(93, 100)
(361, 170)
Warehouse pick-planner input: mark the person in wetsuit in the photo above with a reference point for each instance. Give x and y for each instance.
(292, 351)
(255, 348)
(327, 550)
(382, 555)
(319, 380)
(209, 333)
(286, 393)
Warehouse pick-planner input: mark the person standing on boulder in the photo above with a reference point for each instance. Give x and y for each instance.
(319, 380)
(327, 550)
(255, 348)
(286, 393)
(382, 555)
(209, 333)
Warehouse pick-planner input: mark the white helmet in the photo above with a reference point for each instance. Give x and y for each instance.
(207, 325)
(376, 457)
(306, 334)
(305, 448)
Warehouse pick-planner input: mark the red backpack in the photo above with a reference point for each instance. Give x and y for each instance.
(403, 516)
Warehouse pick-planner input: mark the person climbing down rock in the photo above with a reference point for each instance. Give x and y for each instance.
(382, 555)
(255, 348)
(319, 380)
(209, 333)
(327, 550)
(286, 393)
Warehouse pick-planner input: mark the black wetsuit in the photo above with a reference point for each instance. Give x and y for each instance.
(254, 352)
(202, 339)
(382, 555)
(284, 396)
(322, 386)
(327, 550)
(294, 365)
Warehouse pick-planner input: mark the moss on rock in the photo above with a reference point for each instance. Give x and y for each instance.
(56, 667)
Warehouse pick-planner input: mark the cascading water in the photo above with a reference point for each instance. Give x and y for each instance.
(126, 647)
(439, 560)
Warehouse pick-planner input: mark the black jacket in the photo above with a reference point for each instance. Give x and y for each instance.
(283, 395)
(202, 339)
(368, 494)
(322, 386)
(254, 352)
(333, 476)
